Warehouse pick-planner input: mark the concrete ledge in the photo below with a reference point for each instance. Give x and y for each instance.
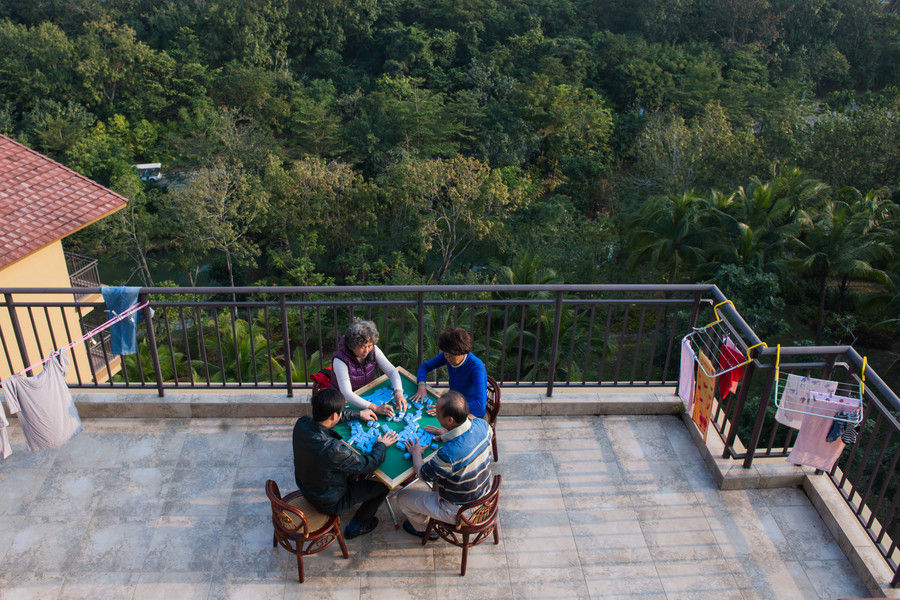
(516, 402)
(849, 534)
(197, 404)
(730, 474)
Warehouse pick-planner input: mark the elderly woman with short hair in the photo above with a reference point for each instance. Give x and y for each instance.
(355, 363)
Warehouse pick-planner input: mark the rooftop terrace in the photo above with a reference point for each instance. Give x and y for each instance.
(169, 502)
(591, 507)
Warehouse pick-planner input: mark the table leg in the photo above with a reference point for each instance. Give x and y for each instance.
(391, 510)
(412, 479)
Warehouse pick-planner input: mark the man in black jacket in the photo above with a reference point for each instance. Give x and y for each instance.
(329, 473)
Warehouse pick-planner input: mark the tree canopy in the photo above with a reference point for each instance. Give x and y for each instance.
(751, 143)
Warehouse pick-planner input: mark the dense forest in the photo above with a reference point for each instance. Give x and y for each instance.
(751, 143)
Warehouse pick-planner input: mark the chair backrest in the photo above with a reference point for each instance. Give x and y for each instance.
(493, 400)
(288, 520)
(482, 512)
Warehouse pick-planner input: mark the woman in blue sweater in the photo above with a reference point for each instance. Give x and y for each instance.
(466, 371)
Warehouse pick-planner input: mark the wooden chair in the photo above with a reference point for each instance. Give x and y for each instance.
(493, 409)
(475, 521)
(300, 528)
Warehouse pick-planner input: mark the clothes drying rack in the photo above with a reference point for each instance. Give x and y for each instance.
(846, 393)
(709, 339)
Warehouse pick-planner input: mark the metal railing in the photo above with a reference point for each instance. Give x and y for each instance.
(527, 335)
(83, 271)
(278, 337)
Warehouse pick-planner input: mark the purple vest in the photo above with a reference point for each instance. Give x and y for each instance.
(360, 373)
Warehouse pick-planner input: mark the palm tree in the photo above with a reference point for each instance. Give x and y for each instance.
(670, 232)
(302, 367)
(835, 242)
(757, 223)
(166, 358)
(241, 356)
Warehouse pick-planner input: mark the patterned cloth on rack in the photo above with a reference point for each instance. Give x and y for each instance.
(686, 374)
(705, 395)
(839, 425)
(729, 356)
(46, 410)
(795, 399)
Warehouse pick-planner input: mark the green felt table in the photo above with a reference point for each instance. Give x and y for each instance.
(395, 469)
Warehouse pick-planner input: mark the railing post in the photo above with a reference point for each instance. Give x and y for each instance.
(17, 331)
(421, 331)
(554, 344)
(287, 347)
(738, 409)
(695, 310)
(760, 419)
(151, 340)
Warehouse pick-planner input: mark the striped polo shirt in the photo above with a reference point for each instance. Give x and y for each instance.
(461, 469)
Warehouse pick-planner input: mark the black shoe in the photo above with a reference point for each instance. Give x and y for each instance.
(408, 528)
(364, 528)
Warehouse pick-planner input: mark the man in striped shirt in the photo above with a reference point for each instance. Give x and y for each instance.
(460, 471)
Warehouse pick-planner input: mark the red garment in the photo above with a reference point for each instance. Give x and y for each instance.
(323, 378)
(728, 357)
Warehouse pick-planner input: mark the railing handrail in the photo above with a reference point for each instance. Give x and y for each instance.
(399, 289)
(873, 380)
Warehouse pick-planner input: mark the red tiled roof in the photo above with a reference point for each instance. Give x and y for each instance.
(42, 201)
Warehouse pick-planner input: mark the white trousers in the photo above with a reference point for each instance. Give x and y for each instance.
(418, 502)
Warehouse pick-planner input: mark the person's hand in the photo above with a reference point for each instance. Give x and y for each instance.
(420, 394)
(435, 430)
(384, 409)
(388, 439)
(413, 447)
(367, 414)
(400, 400)
(431, 410)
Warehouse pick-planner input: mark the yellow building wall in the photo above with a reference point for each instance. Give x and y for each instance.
(44, 268)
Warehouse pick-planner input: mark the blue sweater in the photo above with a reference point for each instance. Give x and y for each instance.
(469, 379)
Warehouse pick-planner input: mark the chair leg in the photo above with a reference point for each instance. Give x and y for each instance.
(274, 540)
(340, 537)
(496, 534)
(465, 556)
(300, 562)
(494, 446)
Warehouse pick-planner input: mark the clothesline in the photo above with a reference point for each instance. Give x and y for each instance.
(119, 317)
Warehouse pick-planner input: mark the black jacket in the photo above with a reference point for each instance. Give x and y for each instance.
(323, 463)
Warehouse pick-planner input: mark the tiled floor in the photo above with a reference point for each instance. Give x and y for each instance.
(592, 507)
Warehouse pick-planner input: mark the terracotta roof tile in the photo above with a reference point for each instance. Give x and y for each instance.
(42, 201)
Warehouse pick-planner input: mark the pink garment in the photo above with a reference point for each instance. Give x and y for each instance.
(5, 449)
(686, 382)
(811, 448)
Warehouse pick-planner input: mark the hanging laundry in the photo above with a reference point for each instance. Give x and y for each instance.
(46, 410)
(705, 394)
(850, 434)
(795, 397)
(5, 449)
(686, 374)
(729, 356)
(843, 427)
(123, 335)
(812, 448)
